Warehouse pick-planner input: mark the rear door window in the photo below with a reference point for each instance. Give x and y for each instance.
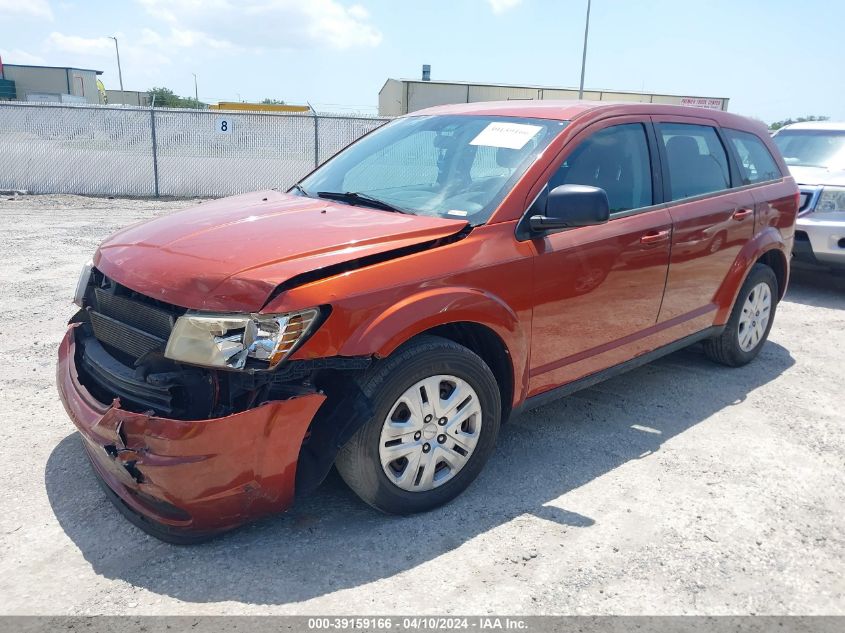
(615, 159)
(756, 163)
(697, 161)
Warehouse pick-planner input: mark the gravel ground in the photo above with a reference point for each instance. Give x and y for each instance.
(679, 488)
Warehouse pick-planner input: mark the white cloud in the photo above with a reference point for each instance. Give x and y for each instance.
(17, 56)
(191, 39)
(79, 45)
(265, 24)
(500, 6)
(26, 8)
(141, 57)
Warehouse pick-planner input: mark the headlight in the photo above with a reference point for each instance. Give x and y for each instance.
(239, 341)
(82, 284)
(832, 199)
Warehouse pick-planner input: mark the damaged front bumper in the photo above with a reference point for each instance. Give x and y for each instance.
(185, 480)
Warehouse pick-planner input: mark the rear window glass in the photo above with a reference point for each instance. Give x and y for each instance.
(756, 163)
(696, 158)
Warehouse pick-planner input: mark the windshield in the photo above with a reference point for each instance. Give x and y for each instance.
(812, 148)
(457, 167)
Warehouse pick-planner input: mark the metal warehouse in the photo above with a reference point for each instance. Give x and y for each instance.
(128, 97)
(50, 83)
(401, 96)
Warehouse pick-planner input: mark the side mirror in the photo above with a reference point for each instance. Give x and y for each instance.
(569, 206)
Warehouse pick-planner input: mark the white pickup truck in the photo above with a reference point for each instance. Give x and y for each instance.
(815, 154)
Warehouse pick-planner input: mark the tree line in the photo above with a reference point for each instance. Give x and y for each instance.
(166, 98)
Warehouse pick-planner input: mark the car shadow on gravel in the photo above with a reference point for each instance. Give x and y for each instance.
(332, 541)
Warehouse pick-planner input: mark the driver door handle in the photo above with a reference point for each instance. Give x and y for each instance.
(655, 237)
(741, 214)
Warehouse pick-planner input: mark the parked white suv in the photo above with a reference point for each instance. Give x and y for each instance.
(815, 154)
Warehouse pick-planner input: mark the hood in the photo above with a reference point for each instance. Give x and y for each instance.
(817, 175)
(230, 254)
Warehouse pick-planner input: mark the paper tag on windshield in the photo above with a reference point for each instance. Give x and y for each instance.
(509, 135)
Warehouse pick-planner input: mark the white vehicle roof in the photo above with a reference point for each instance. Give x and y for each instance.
(833, 126)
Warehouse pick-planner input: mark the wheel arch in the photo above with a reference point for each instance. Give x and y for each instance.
(474, 318)
(776, 260)
(484, 342)
(767, 247)
(477, 320)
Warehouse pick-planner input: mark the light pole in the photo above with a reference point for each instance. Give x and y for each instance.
(119, 72)
(584, 56)
(196, 93)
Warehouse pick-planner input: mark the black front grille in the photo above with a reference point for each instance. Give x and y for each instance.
(120, 329)
(126, 338)
(128, 322)
(138, 314)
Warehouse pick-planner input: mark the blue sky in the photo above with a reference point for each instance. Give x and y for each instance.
(773, 59)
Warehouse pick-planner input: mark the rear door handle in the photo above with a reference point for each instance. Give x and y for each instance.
(741, 214)
(655, 237)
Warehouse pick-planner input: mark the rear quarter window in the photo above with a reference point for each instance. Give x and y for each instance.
(756, 163)
(696, 158)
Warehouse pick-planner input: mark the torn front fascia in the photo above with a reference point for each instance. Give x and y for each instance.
(185, 392)
(197, 479)
(294, 370)
(345, 410)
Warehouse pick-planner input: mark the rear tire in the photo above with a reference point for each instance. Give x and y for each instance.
(750, 322)
(442, 440)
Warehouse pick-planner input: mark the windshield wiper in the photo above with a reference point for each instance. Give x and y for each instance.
(353, 197)
(301, 190)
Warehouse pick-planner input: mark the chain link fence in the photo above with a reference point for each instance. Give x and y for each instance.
(97, 150)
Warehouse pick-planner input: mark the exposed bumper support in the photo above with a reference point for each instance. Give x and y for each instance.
(187, 479)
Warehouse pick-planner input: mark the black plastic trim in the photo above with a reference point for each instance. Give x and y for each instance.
(600, 376)
(116, 379)
(733, 159)
(658, 195)
(802, 249)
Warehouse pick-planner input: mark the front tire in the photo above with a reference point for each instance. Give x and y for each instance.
(437, 414)
(750, 321)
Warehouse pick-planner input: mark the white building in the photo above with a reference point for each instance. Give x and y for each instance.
(401, 96)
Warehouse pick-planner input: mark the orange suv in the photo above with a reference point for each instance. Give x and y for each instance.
(398, 304)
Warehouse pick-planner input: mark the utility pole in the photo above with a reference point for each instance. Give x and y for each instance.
(119, 72)
(196, 93)
(584, 56)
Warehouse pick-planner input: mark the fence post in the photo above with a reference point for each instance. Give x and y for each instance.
(316, 136)
(155, 150)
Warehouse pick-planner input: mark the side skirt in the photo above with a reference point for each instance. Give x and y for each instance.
(600, 376)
